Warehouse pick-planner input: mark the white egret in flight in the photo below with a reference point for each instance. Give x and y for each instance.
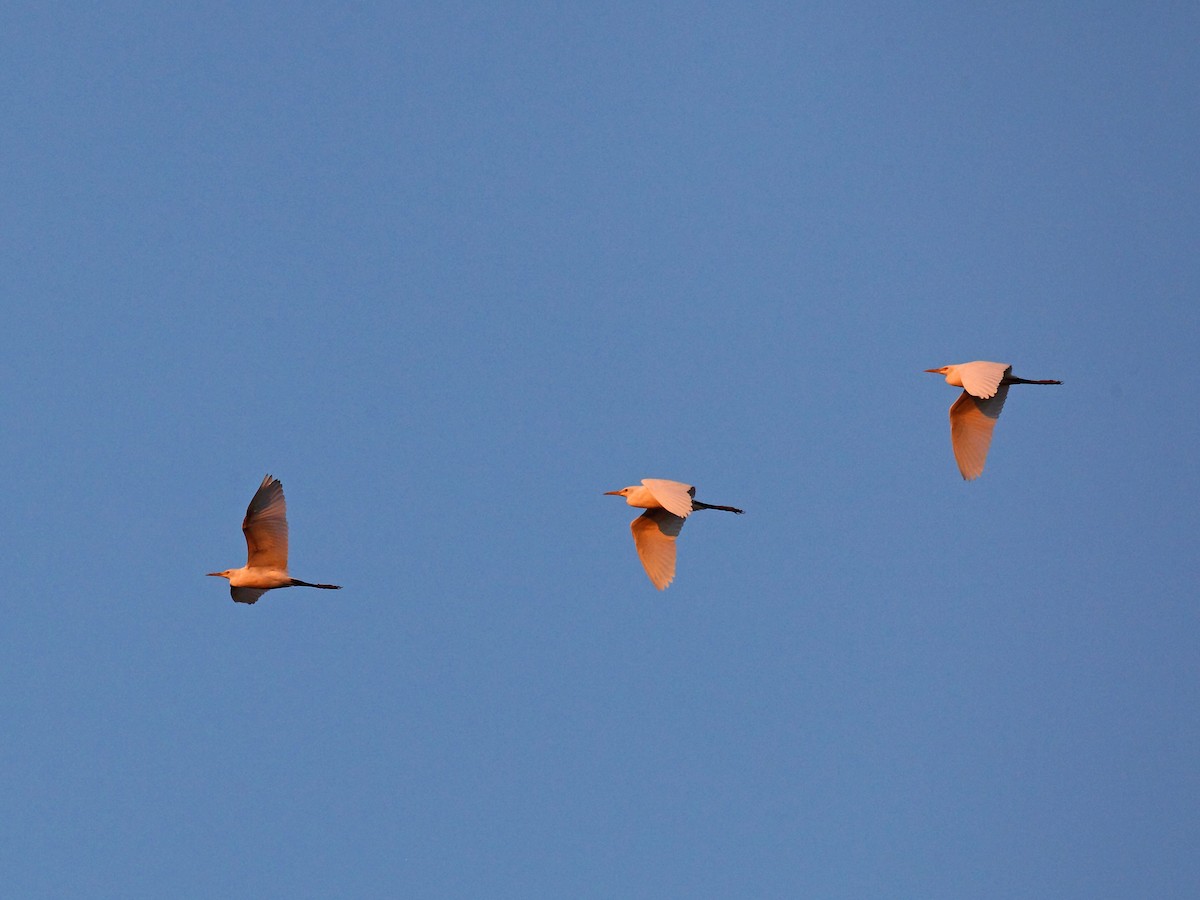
(667, 504)
(973, 415)
(265, 527)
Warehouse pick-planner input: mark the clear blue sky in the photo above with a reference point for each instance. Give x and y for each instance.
(452, 270)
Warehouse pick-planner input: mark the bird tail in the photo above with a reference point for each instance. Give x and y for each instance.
(296, 582)
(696, 504)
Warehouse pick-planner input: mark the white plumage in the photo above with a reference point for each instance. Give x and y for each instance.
(667, 504)
(973, 415)
(266, 531)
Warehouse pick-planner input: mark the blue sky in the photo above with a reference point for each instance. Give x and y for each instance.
(450, 271)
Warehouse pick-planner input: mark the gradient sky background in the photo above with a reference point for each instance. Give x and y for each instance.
(450, 271)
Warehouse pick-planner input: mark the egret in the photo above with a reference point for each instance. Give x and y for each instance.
(667, 504)
(973, 415)
(265, 527)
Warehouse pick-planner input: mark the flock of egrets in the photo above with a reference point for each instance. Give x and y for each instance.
(666, 503)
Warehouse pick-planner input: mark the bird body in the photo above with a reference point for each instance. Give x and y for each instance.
(973, 415)
(258, 576)
(667, 504)
(265, 528)
(656, 493)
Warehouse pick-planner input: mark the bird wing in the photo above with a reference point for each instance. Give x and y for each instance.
(654, 533)
(971, 423)
(245, 595)
(265, 527)
(674, 496)
(982, 379)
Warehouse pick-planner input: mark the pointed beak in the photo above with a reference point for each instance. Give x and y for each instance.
(212, 573)
(612, 493)
(934, 371)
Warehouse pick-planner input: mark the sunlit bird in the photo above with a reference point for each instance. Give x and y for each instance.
(973, 415)
(265, 527)
(667, 504)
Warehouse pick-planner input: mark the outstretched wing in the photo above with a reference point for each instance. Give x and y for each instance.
(245, 594)
(673, 496)
(654, 533)
(265, 527)
(982, 379)
(971, 424)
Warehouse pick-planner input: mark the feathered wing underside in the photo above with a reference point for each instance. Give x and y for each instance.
(654, 533)
(972, 421)
(674, 496)
(982, 379)
(265, 527)
(245, 594)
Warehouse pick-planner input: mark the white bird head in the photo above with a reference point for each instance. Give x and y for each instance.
(623, 492)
